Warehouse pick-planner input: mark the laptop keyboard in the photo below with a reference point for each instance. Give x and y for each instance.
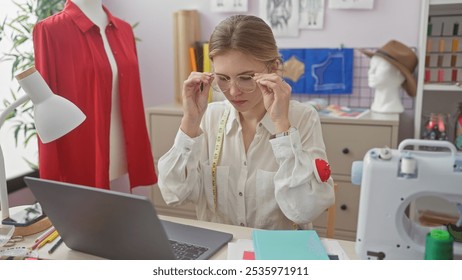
(186, 251)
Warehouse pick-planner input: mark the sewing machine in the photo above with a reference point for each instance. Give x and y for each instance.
(390, 181)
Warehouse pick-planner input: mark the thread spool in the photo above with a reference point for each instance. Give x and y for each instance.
(429, 45)
(441, 46)
(455, 45)
(439, 245)
(427, 75)
(440, 75)
(408, 165)
(439, 62)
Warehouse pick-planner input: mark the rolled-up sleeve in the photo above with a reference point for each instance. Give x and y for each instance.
(299, 194)
(179, 169)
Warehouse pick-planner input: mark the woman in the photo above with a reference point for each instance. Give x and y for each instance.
(252, 159)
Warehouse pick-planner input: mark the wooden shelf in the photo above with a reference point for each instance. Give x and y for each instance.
(442, 87)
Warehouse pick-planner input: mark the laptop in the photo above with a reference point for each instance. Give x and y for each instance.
(115, 225)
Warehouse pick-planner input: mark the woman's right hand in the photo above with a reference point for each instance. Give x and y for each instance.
(195, 99)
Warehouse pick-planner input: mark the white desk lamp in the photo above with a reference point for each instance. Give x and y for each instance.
(54, 117)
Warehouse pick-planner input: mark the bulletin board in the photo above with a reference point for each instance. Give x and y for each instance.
(318, 70)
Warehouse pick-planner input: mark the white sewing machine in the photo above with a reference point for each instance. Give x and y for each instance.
(390, 180)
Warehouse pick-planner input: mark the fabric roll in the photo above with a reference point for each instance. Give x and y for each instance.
(186, 32)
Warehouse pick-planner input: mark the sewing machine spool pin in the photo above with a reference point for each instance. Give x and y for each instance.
(408, 166)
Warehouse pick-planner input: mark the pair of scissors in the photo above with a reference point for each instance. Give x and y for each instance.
(13, 240)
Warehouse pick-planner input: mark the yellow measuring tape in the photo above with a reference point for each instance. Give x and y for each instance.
(216, 154)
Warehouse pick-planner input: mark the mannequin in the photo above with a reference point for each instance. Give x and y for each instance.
(386, 79)
(89, 56)
(93, 9)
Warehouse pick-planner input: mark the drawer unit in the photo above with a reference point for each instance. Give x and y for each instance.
(346, 212)
(346, 143)
(163, 123)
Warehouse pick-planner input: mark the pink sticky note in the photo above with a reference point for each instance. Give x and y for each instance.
(248, 255)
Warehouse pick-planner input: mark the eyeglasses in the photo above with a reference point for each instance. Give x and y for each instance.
(244, 82)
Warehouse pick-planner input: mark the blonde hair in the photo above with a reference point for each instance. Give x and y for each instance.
(247, 34)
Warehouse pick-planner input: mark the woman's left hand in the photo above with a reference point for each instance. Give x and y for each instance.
(276, 97)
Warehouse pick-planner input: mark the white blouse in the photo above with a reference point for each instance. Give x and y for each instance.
(273, 186)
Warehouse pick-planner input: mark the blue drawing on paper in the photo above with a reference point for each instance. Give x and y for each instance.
(328, 75)
(331, 71)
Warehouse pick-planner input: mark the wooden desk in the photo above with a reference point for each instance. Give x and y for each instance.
(64, 253)
(245, 233)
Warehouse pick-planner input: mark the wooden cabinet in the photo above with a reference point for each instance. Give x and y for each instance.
(346, 140)
(163, 123)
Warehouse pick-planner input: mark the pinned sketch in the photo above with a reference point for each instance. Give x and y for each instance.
(282, 16)
(294, 68)
(330, 71)
(351, 4)
(311, 14)
(322, 73)
(221, 6)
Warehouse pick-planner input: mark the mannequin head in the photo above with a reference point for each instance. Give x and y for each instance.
(386, 79)
(382, 74)
(400, 56)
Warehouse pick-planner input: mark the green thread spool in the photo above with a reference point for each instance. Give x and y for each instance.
(439, 245)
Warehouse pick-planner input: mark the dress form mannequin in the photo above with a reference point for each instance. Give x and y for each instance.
(386, 79)
(93, 9)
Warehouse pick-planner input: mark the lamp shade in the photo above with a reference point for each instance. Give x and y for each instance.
(54, 115)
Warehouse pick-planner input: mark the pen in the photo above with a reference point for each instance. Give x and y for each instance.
(42, 238)
(45, 234)
(55, 246)
(48, 239)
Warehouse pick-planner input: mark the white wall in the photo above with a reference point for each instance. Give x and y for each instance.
(14, 163)
(390, 19)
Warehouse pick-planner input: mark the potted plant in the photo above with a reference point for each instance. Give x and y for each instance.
(18, 29)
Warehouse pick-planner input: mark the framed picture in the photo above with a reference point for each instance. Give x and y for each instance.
(222, 6)
(312, 14)
(351, 4)
(282, 16)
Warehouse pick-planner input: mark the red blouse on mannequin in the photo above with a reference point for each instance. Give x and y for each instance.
(70, 55)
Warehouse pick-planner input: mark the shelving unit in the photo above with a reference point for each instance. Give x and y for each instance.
(441, 97)
(440, 69)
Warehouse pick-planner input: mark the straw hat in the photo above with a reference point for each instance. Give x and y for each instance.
(403, 58)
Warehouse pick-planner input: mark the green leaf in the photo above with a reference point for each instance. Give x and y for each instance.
(18, 28)
(28, 138)
(16, 133)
